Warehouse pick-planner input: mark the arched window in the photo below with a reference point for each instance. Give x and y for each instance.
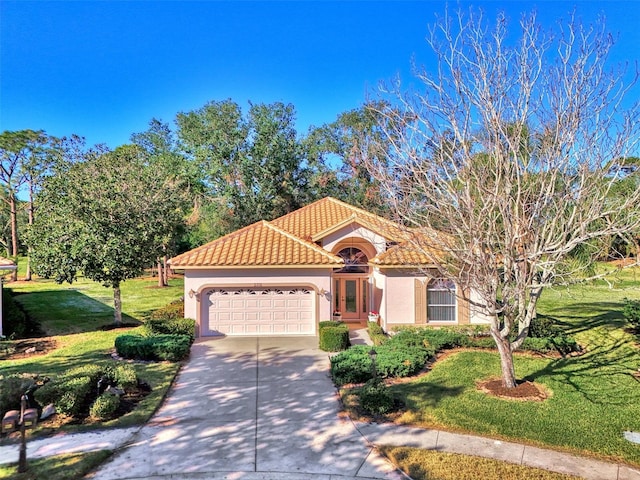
(441, 301)
(355, 261)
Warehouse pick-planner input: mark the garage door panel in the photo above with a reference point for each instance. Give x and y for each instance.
(259, 311)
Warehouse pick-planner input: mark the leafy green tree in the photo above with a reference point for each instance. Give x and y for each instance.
(161, 148)
(105, 217)
(356, 139)
(253, 165)
(24, 156)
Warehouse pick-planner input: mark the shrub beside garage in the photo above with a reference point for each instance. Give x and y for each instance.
(333, 336)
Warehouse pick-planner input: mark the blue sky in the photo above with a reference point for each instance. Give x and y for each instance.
(104, 69)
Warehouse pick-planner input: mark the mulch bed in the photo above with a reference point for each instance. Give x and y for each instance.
(27, 347)
(524, 390)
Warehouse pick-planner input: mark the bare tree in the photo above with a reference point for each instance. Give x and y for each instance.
(504, 158)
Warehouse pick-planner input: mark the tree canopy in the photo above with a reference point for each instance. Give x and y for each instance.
(106, 217)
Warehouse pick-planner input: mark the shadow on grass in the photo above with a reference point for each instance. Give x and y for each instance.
(60, 312)
(600, 314)
(605, 372)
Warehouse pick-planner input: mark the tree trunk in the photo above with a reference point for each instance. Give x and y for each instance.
(506, 360)
(160, 274)
(14, 232)
(117, 305)
(166, 271)
(27, 276)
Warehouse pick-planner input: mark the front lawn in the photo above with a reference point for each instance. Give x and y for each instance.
(595, 397)
(86, 306)
(59, 467)
(75, 315)
(422, 464)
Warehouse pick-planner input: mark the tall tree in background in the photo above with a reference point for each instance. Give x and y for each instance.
(504, 161)
(161, 148)
(253, 166)
(354, 140)
(105, 217)
(23, 155)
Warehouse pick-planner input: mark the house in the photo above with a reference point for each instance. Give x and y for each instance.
(284, 276)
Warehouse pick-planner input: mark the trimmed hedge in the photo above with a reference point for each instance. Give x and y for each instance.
(74, 393)
(171, 326)
(172, 348)
(171, 311)
(122, 375)
(376, 333)
(352, 366)
(401, 360)
(334, 338)
(105, 406)
(71, 393)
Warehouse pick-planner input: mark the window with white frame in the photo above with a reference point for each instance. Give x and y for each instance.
(441, 301)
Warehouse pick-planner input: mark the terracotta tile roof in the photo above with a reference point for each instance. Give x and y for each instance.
(259, 245)
(325, 215)
(402, 256)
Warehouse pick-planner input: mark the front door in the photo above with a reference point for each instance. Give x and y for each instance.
(350, 297)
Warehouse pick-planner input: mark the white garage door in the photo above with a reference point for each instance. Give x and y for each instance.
(258, 311)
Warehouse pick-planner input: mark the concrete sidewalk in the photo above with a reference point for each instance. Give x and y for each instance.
(374, 434)
(399, 435)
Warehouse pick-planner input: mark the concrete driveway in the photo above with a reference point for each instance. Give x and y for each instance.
(250, 408)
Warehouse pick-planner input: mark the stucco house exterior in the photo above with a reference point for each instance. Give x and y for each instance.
(284, 276)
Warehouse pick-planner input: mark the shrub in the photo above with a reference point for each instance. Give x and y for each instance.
(71, 392)
(171, 311)
(376, 334)
(328, 323)
(122, 375)
(631, 312)
(172, 326)
(334, 339)
(105, 406)
(94, 372)
(482, 342)
(401, 360)
(11, 390)
(14, 320)
(74, 398)
(375, 398)
(542, 326)
(172, 348)
(351, 366)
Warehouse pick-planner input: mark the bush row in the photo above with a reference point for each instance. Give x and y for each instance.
(376, 334)
(76, 392)
(171, 311)
(171, 326)
(400, 356)
(172, 348)
(334, 336)
(407, 352)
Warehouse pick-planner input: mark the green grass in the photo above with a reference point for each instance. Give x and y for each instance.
(59, 467)
(432, 465)
(595, 396)
(73, 314)
(86, 305)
